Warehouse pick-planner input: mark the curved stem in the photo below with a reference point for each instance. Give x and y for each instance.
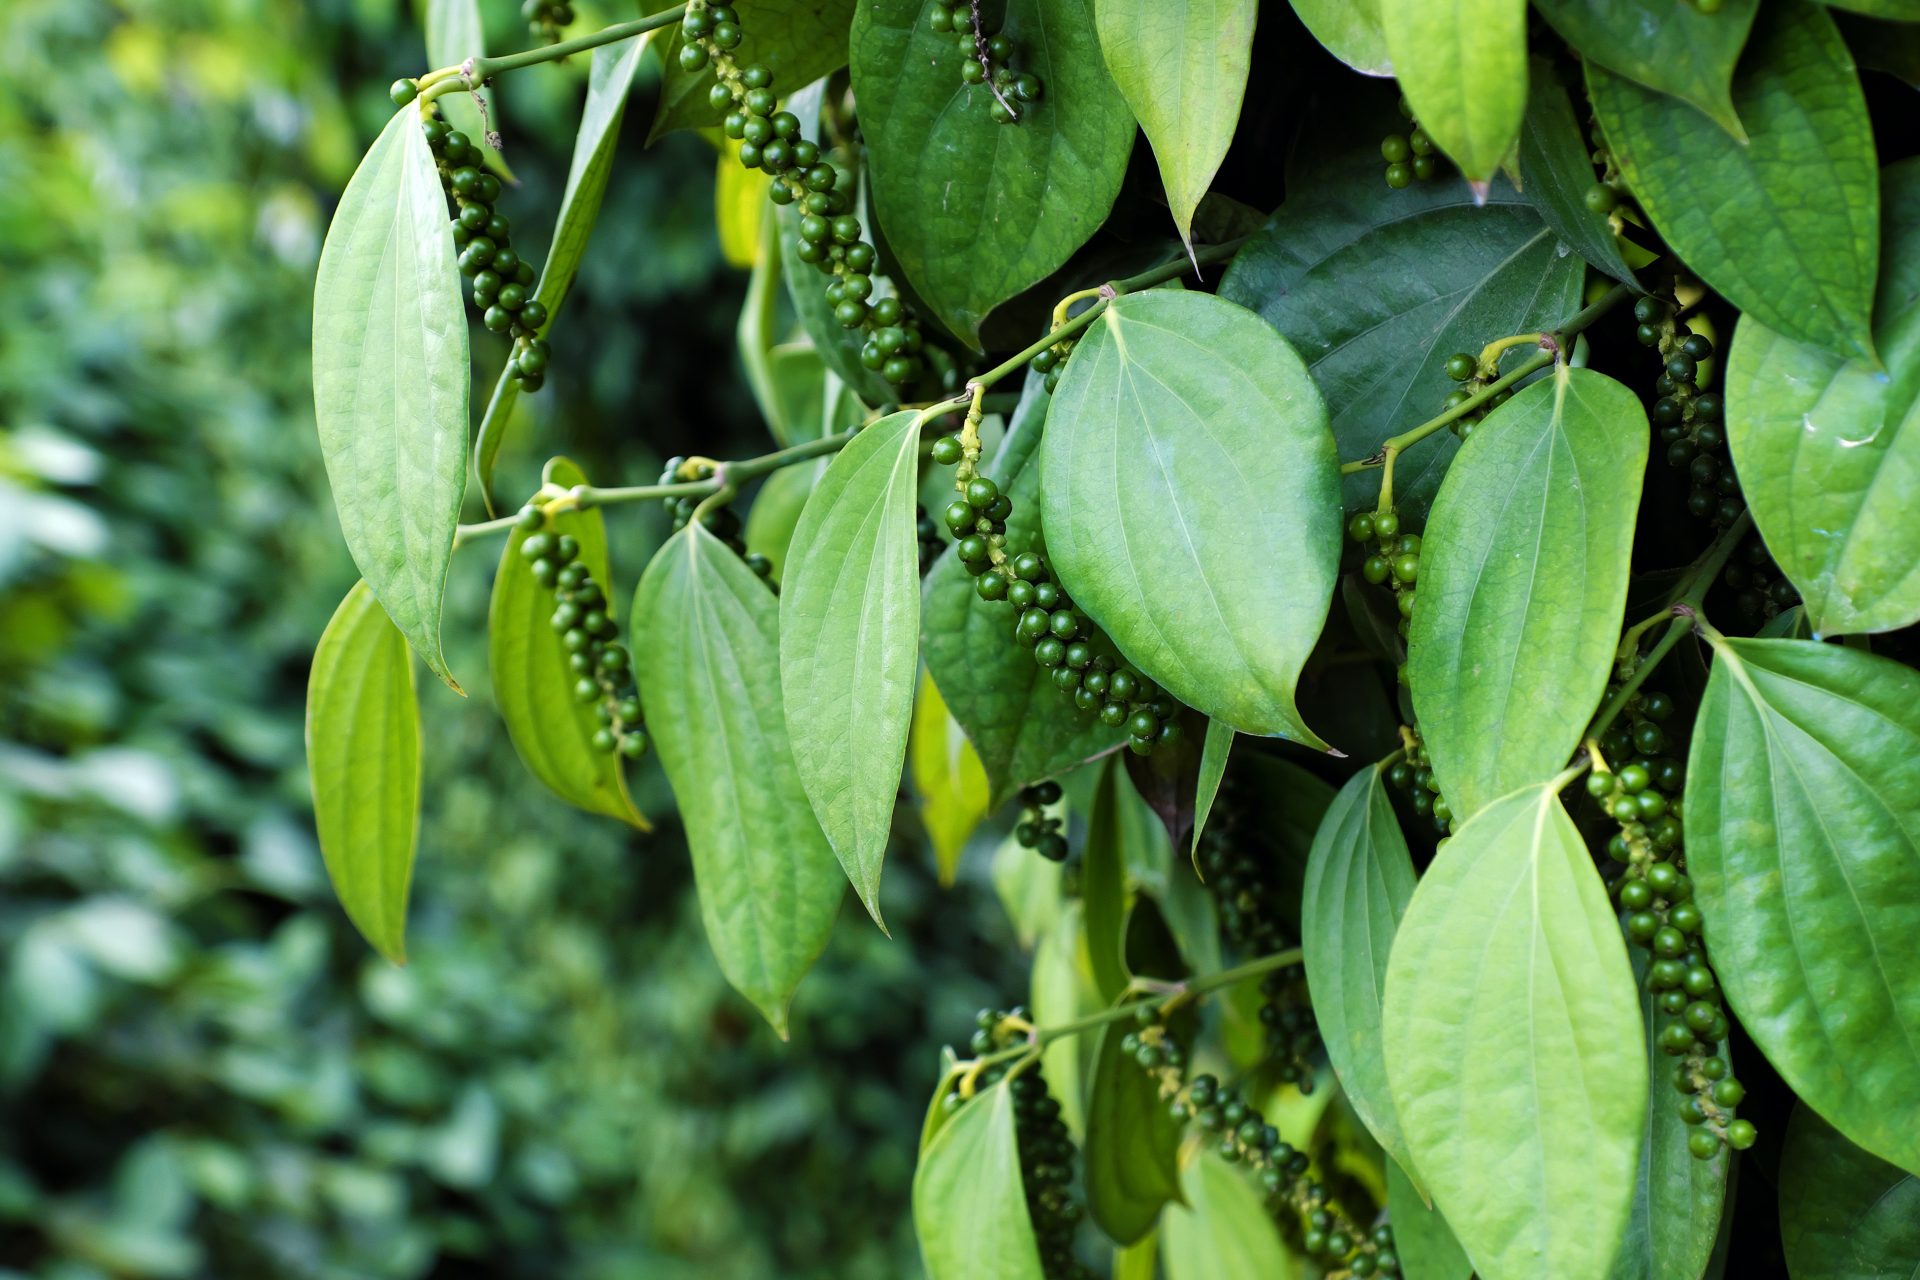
(457, 79)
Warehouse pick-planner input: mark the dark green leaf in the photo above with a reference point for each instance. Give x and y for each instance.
(363, 754)
(1674, 48)
(1787, 224)
(1421, 1235)
(1879, 45)
(1182, 67)
(799, 41)
(1556, 173)
(706, 653)
(390, 380)
(1891, 10)
(1192, 504)
(1224, 1231)
(1358, 882)
(1523, 580)
(849, 642)
(1103, 881)
(1844, 1214)
(975, 211)
(1513, 1043)
(1803, 837)
(1350, 30)
(1377, 342)
(532, 684)
(969, 1207)
(1828, 450)
(1463, 67)
(1132, 1145)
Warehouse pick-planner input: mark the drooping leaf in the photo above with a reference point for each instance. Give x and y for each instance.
(849, 642)
(1192, 502)
(532, 684)
(976, 211)
(706, 654)
(390, 380)
(969, 1205)
(1787, 223)
(1350, 30)
(1463, 67)
(1103, 884)
(1803, 838)
(1513, 1044)
(1224, 1231)
(948, 777)
(1060, 990)
(363, 755)
(1556, 174)
(799, 41)
(1377, 341)
(1421, 1235)
(1214, 753)
(1132, 1148)
(1828, 450)
(454, 33)
(1844, 1213)
(1168, 778)
(1022, 726)
(1359, 880)
(1182, 67)
(1676, 49)
(1522, 590)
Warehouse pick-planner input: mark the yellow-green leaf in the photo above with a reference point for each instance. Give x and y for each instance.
(948, 776)
(969, 1204)
(1462, 65)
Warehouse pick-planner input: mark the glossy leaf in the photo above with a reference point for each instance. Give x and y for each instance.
(363, 755)
(1132, 1149)
(1350, 30)
(1786, 224)
(1803, 838)
(390, 380)
(799, 41)
(1192, 502)
(1359, 880)
(1513, 1044)
(1523, 581)
(1224, 1231)
(948, 777)
(706, 654)
(969, 1207)
(1214, 753)
(1421, 1235)
(454, 33)
(1103, 881)
(532, 684)
(1182, 67)
(1677, 49)
(1556, 173)
(1844, 1214)
(1061, 990)
(976, 211)
(849, 642)
(1377, 341)
(1828, 450)
(1462, 65)
(1020, 724)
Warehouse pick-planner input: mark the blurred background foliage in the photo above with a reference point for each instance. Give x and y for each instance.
(203, 1071)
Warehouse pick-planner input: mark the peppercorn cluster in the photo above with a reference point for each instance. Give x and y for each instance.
(602, 669)
(928, 534)
(1037, 830)
(1413, 774)
(546, 17)
(830, 233)
(1051, 363)
(1411, 156)
(720, 521)
(1644, 796)
(986, 58)
(1466, 370)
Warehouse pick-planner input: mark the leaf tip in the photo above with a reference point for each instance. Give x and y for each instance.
(1479, 187)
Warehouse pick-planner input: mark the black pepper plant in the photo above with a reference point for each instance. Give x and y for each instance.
(1477, 804)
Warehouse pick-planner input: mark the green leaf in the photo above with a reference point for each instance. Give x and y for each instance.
(363, 754)
(1213, 767)
(937, 1114)
(706, 654)
(1224, 1231)
(1880, 45)
(1678, 1201)
(1192, 502)
(1556, 173)
(1060, 990)
(1103, 881)
(1132, 1145)
(532, 684)
(1028, 888)
(849, 642)
(1828, 450)
(1182, 67)
(1421, 1235)
(1891, 10)
(799, 41)
(1523, 581)
(1844, 1214)
(1513, 1044)
(948, 777)
(1462, 65)
(1020, 724)
(1137, 1261)
(1359, 880)
(1377, 341)
(454, 33)
(1675, 49)
(390, 380)
(969, 1205)
(1350, 30)
(1787, 224)
(975, 211)
(776, 509)
(1803, 838)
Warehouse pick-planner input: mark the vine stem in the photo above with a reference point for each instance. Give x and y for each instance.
(477, 70)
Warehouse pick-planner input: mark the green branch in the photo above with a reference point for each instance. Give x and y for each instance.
(477, 70)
